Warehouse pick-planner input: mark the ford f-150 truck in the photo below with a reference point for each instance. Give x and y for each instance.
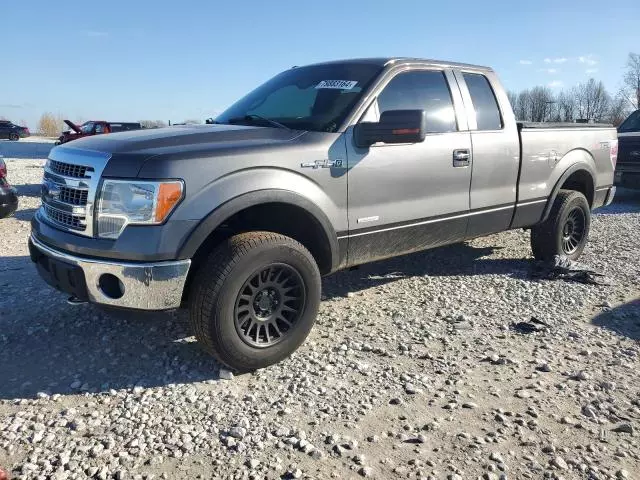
(321, 168)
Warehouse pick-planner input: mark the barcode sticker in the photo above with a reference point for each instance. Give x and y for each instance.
(338, 84)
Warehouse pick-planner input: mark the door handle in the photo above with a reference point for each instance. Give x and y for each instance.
(461, 158)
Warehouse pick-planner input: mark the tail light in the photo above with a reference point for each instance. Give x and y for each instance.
(3, 168)
(613, 152)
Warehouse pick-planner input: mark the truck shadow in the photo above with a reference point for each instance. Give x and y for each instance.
(453, 260)
(26, 214)
(50, 347)
(29, 189)
(623, 319)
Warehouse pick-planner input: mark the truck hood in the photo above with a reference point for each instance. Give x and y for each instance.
(129, 150)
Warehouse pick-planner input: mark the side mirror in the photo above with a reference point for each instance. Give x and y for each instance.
(395, 126)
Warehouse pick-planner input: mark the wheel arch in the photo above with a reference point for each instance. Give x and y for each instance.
(579, 176)
(296, 216)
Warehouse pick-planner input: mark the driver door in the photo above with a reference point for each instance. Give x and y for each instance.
(408, 197)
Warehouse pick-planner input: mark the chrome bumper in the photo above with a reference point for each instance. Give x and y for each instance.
(141, 286)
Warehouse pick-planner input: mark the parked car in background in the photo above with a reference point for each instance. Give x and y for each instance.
(628, 169)
(11, 131)
(8, 194)
(95, 127)
(321, 168)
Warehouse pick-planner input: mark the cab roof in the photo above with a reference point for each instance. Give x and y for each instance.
(388, 61)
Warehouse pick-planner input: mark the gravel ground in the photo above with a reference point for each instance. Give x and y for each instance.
(412, 371)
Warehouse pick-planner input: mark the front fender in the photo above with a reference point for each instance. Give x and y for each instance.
(230, 194)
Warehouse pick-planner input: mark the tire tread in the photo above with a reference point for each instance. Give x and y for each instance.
(543, 235)
(210, 278)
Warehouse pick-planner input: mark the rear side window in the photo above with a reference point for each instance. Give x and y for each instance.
(484, 102)
(421, 90)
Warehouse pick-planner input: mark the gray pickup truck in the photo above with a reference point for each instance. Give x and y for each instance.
(321, 168)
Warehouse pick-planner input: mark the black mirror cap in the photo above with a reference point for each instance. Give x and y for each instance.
(395, 126)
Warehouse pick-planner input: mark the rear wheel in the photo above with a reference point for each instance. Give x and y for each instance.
(566, 230)
(14, 137)
(255, 299)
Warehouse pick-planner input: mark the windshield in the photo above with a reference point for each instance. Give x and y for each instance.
(632, 123)
(87, 127)
(316, 98)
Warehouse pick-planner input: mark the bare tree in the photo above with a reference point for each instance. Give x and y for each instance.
(541, 100)
(592, 101)
(522, 106)
(565, 106)
(23, 123)
(618, 110)
(632, 80)
(50, 125)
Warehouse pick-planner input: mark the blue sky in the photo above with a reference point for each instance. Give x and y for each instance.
(132, 60)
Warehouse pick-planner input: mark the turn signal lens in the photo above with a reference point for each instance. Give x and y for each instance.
(169, 194)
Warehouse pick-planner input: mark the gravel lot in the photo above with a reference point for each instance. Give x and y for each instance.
(412, 371)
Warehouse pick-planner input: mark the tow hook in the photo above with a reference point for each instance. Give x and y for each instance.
(75, 301)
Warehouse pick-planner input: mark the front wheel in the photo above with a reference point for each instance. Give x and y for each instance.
(255, 299)
(566, 230)
(14, 137)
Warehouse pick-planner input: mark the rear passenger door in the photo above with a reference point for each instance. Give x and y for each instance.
(496, 152)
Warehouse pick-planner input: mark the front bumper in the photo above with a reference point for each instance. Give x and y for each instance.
(138, 286)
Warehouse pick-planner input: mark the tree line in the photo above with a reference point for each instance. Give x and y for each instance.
(586, 102)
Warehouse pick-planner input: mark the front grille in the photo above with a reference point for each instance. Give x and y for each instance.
(68, 169)
(76, 222)
(73, 196)
(71, 179)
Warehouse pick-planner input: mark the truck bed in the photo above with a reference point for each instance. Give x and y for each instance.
(548, 150)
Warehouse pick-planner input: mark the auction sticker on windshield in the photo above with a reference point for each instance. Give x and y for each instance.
(339, 84)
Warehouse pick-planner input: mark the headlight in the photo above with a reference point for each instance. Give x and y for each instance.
(132, 202)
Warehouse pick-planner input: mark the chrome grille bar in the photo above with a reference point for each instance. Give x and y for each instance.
(69, 188)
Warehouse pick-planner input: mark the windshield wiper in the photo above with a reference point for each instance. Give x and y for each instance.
(252, 118)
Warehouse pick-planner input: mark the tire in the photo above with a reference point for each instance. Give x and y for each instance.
(14, 137)
(566, 230)
(237, 287)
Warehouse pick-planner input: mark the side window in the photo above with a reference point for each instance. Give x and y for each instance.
(426, 90)
(99, 128)
(484, 102)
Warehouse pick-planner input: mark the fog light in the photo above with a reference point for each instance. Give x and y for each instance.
(111, 286)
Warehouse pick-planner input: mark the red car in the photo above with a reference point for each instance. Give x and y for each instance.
(95, 127)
